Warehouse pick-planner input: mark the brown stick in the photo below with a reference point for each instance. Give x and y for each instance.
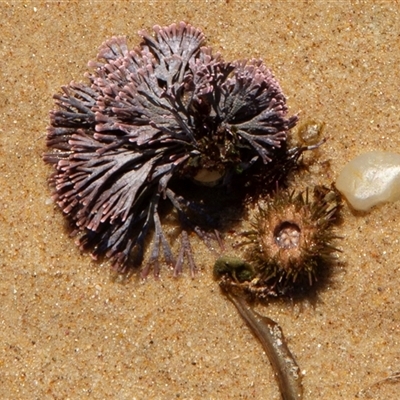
(268, 332)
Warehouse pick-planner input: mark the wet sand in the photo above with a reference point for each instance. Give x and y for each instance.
(68, 330)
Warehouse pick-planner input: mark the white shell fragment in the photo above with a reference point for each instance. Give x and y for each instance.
(370, 179)
(208, 177)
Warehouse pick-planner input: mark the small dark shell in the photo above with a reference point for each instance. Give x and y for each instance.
(167, 110)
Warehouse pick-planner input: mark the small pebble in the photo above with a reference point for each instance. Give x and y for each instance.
(370, 179)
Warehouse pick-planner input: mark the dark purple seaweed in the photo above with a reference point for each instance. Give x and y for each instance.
(167, 110)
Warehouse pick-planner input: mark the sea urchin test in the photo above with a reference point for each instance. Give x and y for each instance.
(370, 179)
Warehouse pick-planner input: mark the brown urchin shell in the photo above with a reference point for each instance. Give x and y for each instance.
(292, 240)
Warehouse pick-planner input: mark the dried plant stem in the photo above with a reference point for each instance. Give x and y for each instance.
(393, 378)
(270, 335)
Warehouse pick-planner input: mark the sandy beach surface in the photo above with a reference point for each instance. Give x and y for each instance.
(68, 330)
